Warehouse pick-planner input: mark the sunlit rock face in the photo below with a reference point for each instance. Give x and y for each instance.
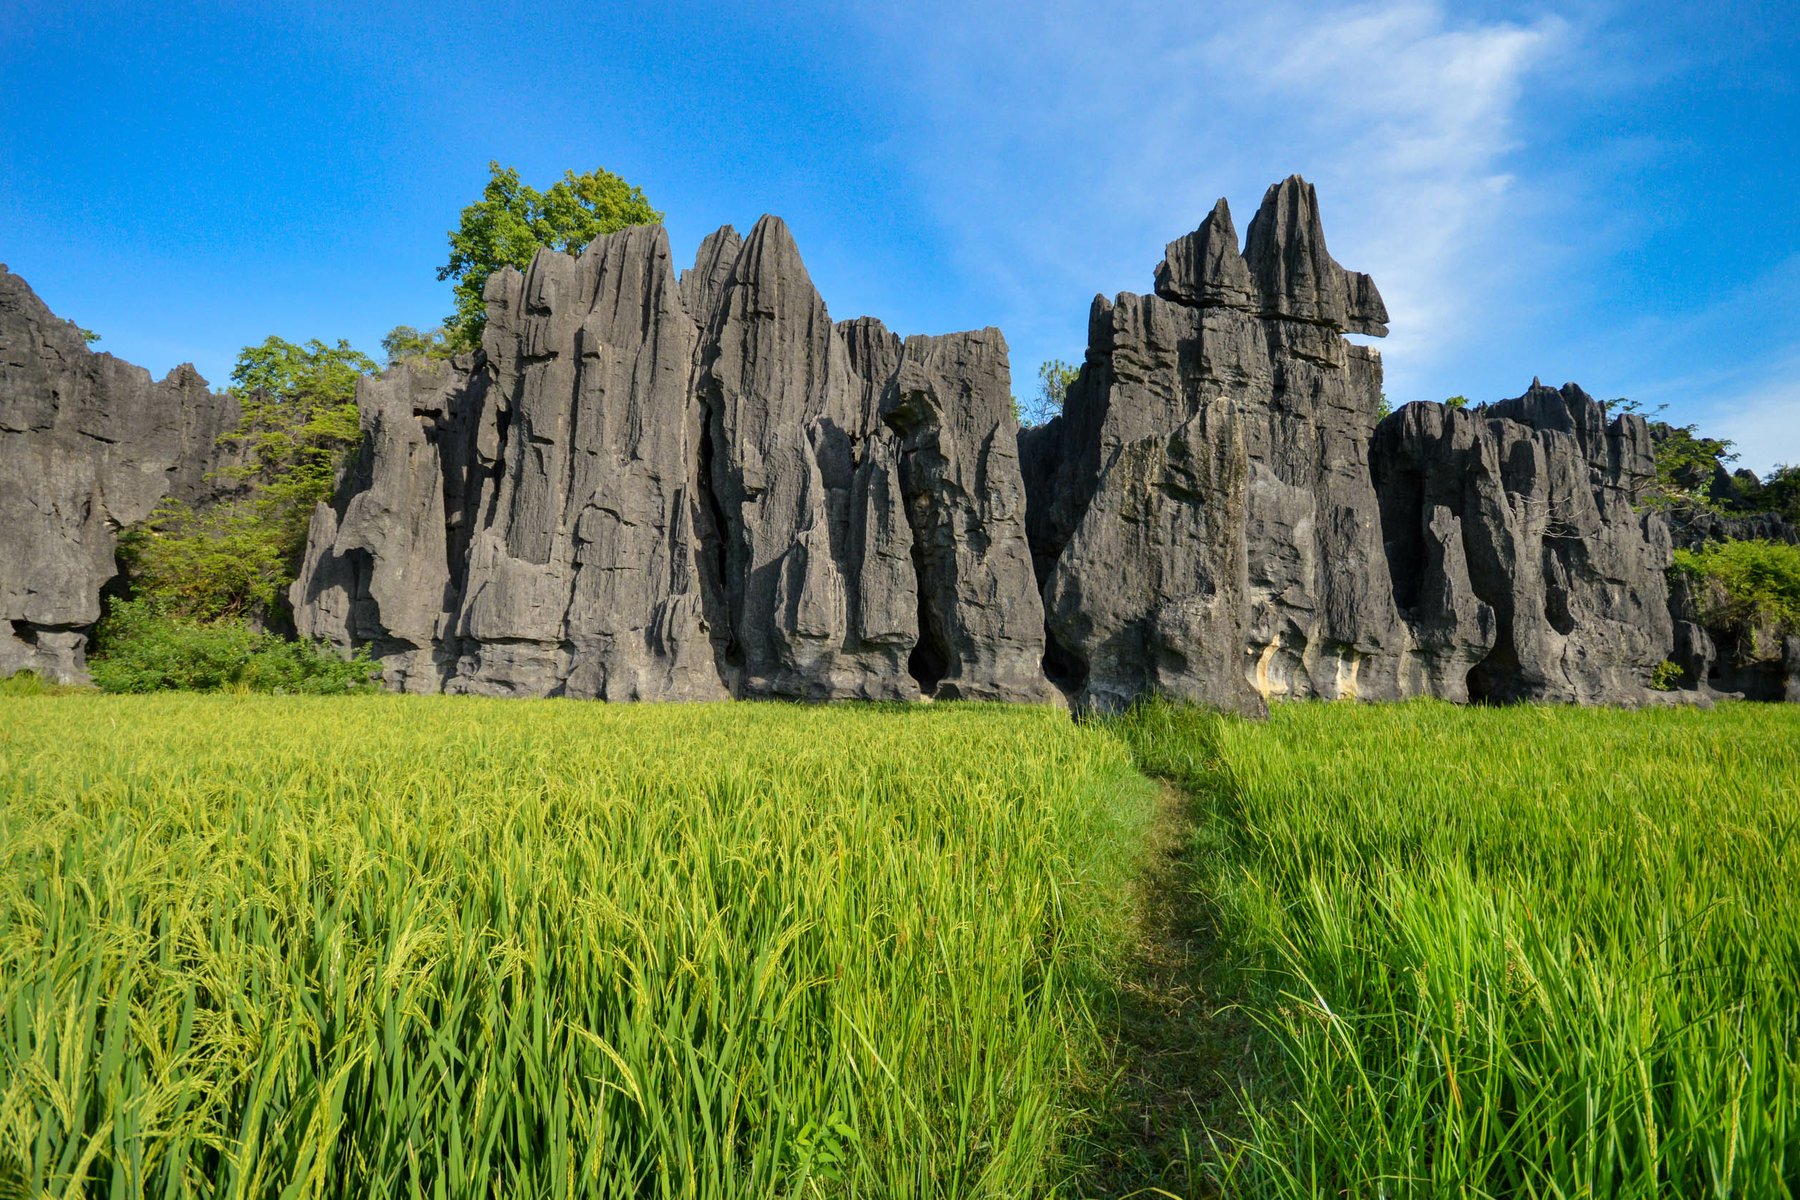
(652, 485)
(658, 488)
(1221, 513)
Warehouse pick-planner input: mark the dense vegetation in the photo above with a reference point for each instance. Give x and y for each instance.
(1502, 952)
(228, 565)
(404, 946)
(1749, 588)
(400, 945)
(235, 559)
(150, 649)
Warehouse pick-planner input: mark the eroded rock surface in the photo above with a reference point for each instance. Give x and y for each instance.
(88, 445)
(1517, 546)
(652, 488)
(1481, 555)
(648, 486)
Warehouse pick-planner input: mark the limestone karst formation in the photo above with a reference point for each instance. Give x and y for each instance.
(660, 486)
(88, 446)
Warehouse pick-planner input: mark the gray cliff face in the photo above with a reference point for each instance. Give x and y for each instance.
(1519, 557)
(1494, 555)
(648, 486)
(88, 445)
(982, 625)
(1263, 331)
(652, 489)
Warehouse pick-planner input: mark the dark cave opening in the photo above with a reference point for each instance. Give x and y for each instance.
(929, 661)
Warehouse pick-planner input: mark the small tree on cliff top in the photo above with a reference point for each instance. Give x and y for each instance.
(512, 221)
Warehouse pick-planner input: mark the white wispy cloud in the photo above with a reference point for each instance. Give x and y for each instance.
(1764, 418)
(1072, 142)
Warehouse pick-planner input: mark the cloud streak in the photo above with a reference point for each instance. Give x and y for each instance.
(1075, 142)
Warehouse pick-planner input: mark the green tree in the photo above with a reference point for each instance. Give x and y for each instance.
(404, 344)
(1687, 465)
(1054, 380)
(236, 558)
(1456, 402)
(512, 221)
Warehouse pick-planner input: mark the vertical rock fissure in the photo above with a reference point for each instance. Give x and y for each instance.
(929, 661)
(713, 554)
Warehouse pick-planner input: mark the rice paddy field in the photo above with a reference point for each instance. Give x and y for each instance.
(451, 947)
(1503, 952)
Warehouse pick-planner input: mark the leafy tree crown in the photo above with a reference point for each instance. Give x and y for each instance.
(513, 220)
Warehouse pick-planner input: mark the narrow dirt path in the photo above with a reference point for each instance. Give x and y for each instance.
(1182, 1048)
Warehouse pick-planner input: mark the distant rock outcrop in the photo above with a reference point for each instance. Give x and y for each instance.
(652, 487)
(88, 445)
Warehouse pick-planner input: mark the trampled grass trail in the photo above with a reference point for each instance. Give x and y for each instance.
(1499, 952)
(447, 947)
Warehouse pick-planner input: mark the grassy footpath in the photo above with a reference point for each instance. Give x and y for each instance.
(1501, 952)
(393, 946)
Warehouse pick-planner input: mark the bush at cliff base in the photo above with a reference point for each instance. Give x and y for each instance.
(1747, 585)
(142, 647)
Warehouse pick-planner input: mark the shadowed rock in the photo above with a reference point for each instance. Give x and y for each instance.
(88, 446)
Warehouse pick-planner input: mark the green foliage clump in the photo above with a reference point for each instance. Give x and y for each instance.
(1687, 468)
(236, 558)
(513, 221)
(222, 562)
(1665, 676)
(142, 647)
(405, 344)
(1749, 587)
(1456, 402)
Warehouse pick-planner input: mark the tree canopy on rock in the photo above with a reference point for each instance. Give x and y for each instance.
(513, 221)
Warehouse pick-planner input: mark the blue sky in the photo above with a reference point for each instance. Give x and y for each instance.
(1597, 192)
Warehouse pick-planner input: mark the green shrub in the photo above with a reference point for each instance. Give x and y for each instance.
(143, 647)
(1746, 586)
(1666, 676)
